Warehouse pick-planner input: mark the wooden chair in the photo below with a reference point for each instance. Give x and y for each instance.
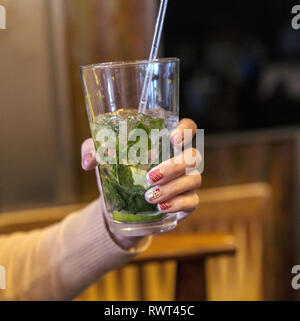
(35, 218)
(188, 253)
(245, 211)
(241, 210)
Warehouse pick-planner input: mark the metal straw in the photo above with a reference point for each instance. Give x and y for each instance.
(153, 54)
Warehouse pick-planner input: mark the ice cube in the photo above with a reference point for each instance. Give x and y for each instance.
(157, 112)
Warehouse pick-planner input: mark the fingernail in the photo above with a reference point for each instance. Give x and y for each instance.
(153, 193)
(155, 175)
(177, 138)
(86, 159)
(164, 206)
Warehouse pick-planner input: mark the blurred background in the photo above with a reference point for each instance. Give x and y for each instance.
(240, 81)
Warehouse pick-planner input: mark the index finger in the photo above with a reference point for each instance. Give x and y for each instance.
(177, 136)
(175, 167)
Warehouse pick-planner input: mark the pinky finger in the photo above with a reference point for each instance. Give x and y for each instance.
(186, 202)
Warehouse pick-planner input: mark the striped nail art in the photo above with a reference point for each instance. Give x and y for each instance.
(152, 194)
(155, 175)
(164, 205)
(177, 139)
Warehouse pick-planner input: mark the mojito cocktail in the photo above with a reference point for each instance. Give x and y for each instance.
(125, 142)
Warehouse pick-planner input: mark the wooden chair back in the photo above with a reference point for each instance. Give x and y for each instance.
(245, 212)
(242, 211)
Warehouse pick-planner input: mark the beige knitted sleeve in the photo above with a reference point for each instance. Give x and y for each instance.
(59, 262)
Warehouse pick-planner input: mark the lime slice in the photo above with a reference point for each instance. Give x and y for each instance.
(136, 218)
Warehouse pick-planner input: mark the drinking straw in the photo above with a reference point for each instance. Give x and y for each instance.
(153, 54)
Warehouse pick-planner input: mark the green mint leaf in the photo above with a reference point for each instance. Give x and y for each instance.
(125, 175)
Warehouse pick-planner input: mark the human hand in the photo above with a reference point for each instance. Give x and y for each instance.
(174, 191)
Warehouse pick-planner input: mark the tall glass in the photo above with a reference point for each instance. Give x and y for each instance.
(112, 97)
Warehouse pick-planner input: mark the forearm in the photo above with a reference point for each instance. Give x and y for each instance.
(59, 262)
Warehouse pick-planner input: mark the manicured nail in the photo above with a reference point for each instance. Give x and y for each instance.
(176, 137)
(164, 206)
(86, 159)
(153, 193)
(155, 175)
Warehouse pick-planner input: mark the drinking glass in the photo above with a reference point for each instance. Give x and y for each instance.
(125, 137)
